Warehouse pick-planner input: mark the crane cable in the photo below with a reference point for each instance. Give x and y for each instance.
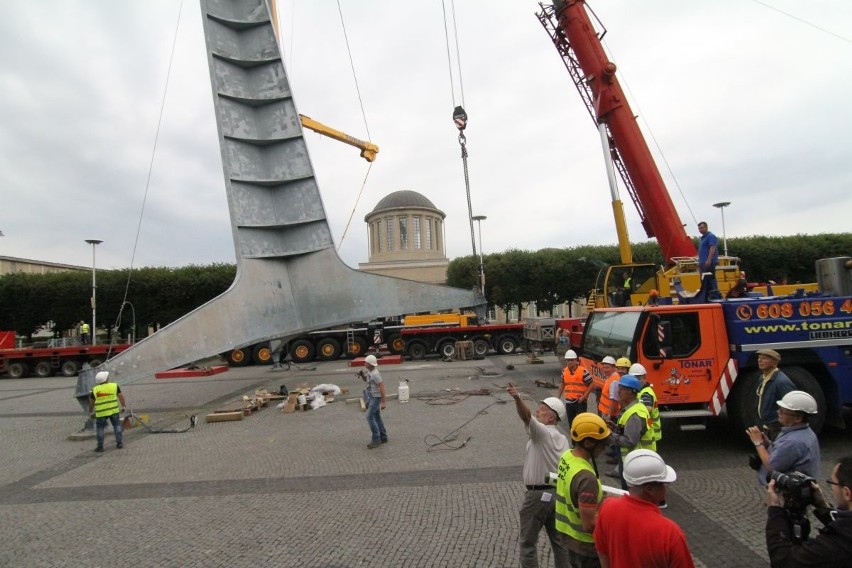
(366, 126)
(459, 114)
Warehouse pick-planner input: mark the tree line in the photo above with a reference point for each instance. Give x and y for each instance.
(157, 296)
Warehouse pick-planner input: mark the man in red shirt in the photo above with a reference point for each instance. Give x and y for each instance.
(631, 531)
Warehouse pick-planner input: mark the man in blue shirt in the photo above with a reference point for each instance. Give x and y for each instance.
(708, 254)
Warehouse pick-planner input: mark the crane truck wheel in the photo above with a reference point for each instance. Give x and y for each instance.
(262, 354)
(447, 349)
(69, 368)
(18, 370)
(328, 349)
(481, 347)
(302, 351)
(417, 350)
(356, 348)
(238, 357)
(43, 369)
(506, 345)
(805, 381)
(93, 363)
(396, 344)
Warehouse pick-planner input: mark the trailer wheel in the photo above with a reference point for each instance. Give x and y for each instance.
(396, 344)
(93, 363)
(447, 349)
(302, 351)
(18, 370)
(262, 354)
(357, 348)
(417, 350)
(328, 349)
(69, 368)
(238, 357)
(43, 369)
(506, 345)
(805, 381)
(481, 347)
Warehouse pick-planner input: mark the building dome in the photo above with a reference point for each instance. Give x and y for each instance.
(405, 199)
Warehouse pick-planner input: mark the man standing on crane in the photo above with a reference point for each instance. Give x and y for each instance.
(708, 255)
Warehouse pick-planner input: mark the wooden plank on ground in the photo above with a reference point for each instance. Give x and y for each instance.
(224, 416)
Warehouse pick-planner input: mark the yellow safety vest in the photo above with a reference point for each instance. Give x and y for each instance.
(567, 514)
(106, 399)
(654, 412)
(84, 328)
(646, 442)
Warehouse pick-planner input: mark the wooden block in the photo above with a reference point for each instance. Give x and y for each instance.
(290, 406)
(224, 416)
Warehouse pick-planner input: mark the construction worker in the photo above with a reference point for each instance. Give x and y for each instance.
(84, 333)
(621, 368)
(577, 384)
(375, 395)
(578, 489)
(103, 402)
(634, 427)
(796, 448)
(545, 446)
(631, 532)
(649, 398)
(608, 406)
(774, 385)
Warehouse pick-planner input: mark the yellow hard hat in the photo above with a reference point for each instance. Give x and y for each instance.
(623, 362)
(589, 425)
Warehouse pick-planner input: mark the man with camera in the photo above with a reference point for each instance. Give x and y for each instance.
(545, 446)
(796, 448)
(834, 541)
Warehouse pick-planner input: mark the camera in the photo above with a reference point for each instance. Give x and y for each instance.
(795, 488)
(551, 479)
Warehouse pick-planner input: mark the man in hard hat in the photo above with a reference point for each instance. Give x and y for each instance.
(104, 403)
(545, 446)
(796, 448)
(832, 544)
(375, 395)
(648, 397)
(773, 386)
(84, 333)
(577, 384)
(578, 489)
(608, 405)
(631, 532)
(622, 365)
(634, 427)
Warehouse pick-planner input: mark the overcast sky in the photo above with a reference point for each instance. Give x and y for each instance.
(747, 104)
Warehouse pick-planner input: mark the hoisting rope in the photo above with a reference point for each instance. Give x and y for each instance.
(459, 114)
(366, 126)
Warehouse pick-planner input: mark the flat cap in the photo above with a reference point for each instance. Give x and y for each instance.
(770, 353)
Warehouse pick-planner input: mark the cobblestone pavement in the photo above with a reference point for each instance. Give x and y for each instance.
(302, 489)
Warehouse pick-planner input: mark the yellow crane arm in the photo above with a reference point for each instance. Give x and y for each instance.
(368, 149)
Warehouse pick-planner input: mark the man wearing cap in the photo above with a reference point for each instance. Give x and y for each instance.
(631, 532)
(577, 384)
(375, 394)
(773, 386)
(103, 402)
(634, 428)
(544, 448)
(796, 448)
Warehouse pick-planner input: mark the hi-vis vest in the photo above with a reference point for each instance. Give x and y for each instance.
(607, 405)
(106, 399)
(574, 385)
(567, 515)
(84, 328)
(657, 426)
(646, 442)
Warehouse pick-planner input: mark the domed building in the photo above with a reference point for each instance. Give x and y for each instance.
(407, 238)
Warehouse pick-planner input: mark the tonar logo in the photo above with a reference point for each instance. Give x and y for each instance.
(699, 364)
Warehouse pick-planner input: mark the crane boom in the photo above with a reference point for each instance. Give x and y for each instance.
(368, 149)
(571, 29)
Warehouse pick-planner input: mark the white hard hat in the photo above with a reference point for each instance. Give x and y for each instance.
(102, 377)
(371, 360)
(646, 466)
(570, 354)
(608, 360)
(799, 401)
(637, 370)
(556, 406)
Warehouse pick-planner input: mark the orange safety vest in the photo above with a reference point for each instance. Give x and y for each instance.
(574, 385)
(606, 405)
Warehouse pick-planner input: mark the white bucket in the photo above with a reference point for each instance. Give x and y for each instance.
(403, 392)
(302, 400)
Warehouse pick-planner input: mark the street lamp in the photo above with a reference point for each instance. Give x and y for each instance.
(479, 219)
(721, 205)
(94, 243)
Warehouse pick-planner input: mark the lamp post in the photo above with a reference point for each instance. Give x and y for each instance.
(721, 206)
(94, 243)
(479, 219)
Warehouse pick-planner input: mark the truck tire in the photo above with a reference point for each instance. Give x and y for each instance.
(805, 381)
(18, 370)
(69, 368)
(43, 369)
(481, 347)
(506, 345)
(96, 362)
(262, 354)
(357, 348)
(328, 349)
(396, 344)
(302, 351)
(417, 350)
(447, 348)
(238, 357)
